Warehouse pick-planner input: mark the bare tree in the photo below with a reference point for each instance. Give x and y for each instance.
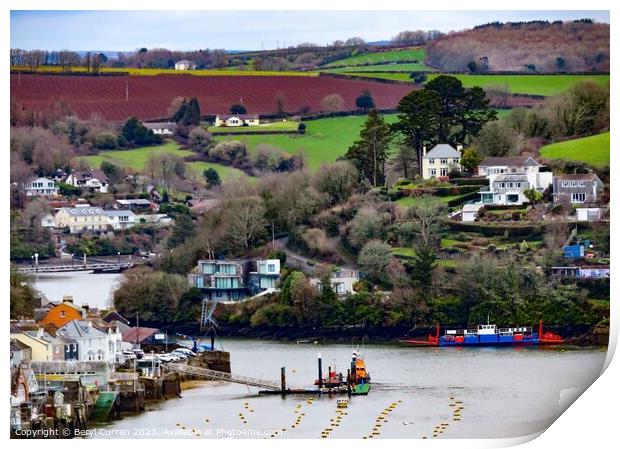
(332, 103)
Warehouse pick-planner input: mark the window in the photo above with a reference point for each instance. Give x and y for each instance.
(432, 172)
(578, 198)
(582, 183)
(444, 161)
(271, 268)
(431, 161)
(443, 172)
(63, 314)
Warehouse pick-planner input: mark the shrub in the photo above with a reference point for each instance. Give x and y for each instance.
(301, 128)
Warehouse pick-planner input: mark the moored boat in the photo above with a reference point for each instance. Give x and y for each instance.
(488, 335)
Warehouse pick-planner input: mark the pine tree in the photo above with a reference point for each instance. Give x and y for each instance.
(370, 152)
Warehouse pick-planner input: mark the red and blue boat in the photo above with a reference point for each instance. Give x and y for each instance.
(489, 335)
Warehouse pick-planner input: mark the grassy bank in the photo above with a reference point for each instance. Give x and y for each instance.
(593, 150)
(410, 54)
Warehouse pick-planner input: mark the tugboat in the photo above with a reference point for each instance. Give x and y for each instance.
(489, 335)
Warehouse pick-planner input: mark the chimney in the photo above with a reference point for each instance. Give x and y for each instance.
(90, 327)
(424, 151)
(459, 148)
(40, 332)
(67, 298)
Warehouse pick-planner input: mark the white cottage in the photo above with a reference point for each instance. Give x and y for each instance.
(237, 120)
(440, 161)
(41, 187)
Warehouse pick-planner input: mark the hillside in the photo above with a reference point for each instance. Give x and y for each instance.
(528, 47)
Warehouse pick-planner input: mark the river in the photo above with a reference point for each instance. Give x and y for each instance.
(85, 287)
(504, 392)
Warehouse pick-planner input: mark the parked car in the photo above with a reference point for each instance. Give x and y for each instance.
(185, 351)
(129, 355)
(138, 352)
(180, 355)
(166, 358)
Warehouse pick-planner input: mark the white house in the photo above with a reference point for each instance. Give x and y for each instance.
(93, 344)
(440, 161)
(48, 221)
(184, 64)
(162, 128)
(588, 213)
(94, 180)
(499, 165)
(237, 120)
(41, 187)
(470, 211)
(510, 177)
(154, 219)
(342, 281)
(121, 219)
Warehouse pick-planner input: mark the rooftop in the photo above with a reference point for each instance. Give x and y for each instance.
(578, 176)
(241, 116)
(138, 334)
(517, 161)
(83, 211)
(80, 329)
(119, 213)
(511, 177)
(442, 150)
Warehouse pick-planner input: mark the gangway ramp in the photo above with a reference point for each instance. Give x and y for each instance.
(210, 374)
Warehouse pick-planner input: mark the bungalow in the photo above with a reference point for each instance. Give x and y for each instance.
(582, 188)
(184, 64)
(136, 204)
(41, 187)
(230, 280)
(237, 120)
(82, 219)
(121, 219)
(154, 219)
(93, 180)
(342, 282)
(440, 161)
(162, 128)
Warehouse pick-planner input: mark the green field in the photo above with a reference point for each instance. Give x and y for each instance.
(518, 84)
(403, 67)
(324, 141)
(411, 54)
(593, 150)
(137, 157)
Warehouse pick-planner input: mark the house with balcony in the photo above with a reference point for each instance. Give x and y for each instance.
(580, 188)
(440, 161)
(91, 180)
(510, 177)
(235, 279)
(41, 187)
(121, 219)
(342, 281)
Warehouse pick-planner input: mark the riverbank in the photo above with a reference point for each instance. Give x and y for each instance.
(577, 335)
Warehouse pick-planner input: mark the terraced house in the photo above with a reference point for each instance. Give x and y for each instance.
(231, 280)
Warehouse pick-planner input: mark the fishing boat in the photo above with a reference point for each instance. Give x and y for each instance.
(360, 376)
(488, 335)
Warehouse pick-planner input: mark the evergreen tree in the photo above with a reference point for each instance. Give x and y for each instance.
(370, 152)
(134, 132)
(192, 114)
(212, 177)
(180, 113)
(238, 109)
(423, 263)
(418, 120)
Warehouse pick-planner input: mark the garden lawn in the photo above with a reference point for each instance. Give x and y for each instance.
(408, 201)
(593, 150)
(265, 127)
(324, 141)
(545, 85)
(410, 54)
